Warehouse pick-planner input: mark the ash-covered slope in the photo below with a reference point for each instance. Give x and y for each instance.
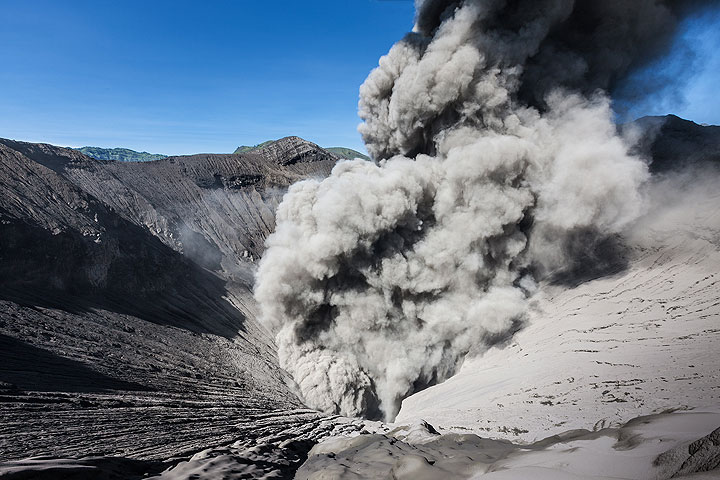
(217, 209)
(680, 445)
(639, 342)
(118, 337)
(63, 247)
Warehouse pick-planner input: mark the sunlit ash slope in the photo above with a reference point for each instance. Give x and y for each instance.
(597, 354)
(614, 374)
(640, 340)
(127, 327)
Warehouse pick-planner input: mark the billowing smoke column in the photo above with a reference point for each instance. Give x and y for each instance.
(495, 147)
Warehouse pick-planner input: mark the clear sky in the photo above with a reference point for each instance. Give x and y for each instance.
(190, 76)
(184, 76)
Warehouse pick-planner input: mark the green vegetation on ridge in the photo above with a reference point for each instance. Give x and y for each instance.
(127, 155)
(348, 153)
(120, 154)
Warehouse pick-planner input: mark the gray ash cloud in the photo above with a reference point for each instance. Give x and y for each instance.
(495, 150)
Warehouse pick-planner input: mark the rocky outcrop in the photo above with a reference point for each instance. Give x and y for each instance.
(704, 455)
(293, 151)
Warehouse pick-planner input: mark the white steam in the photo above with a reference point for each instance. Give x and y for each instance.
(380, 279)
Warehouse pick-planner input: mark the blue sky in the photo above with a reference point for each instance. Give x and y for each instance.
(189, 76)
(180, 77)
(700, 94)
(691, 73)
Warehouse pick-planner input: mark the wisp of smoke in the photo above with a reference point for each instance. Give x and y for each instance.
(494, 145)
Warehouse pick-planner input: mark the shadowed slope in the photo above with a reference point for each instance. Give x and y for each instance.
(117, 344)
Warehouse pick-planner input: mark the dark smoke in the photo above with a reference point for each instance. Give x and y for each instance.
(582, 46)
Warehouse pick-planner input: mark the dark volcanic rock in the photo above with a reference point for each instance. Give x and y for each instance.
(704, 455)
(61, 247)
(55, 158)
(673, 143)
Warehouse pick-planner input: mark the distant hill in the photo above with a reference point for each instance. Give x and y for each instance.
(127, 155)
(674, 143)
(348, 153)
(120, 154)
(341, 152)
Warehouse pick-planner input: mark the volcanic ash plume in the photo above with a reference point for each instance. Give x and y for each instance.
(495, 146)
